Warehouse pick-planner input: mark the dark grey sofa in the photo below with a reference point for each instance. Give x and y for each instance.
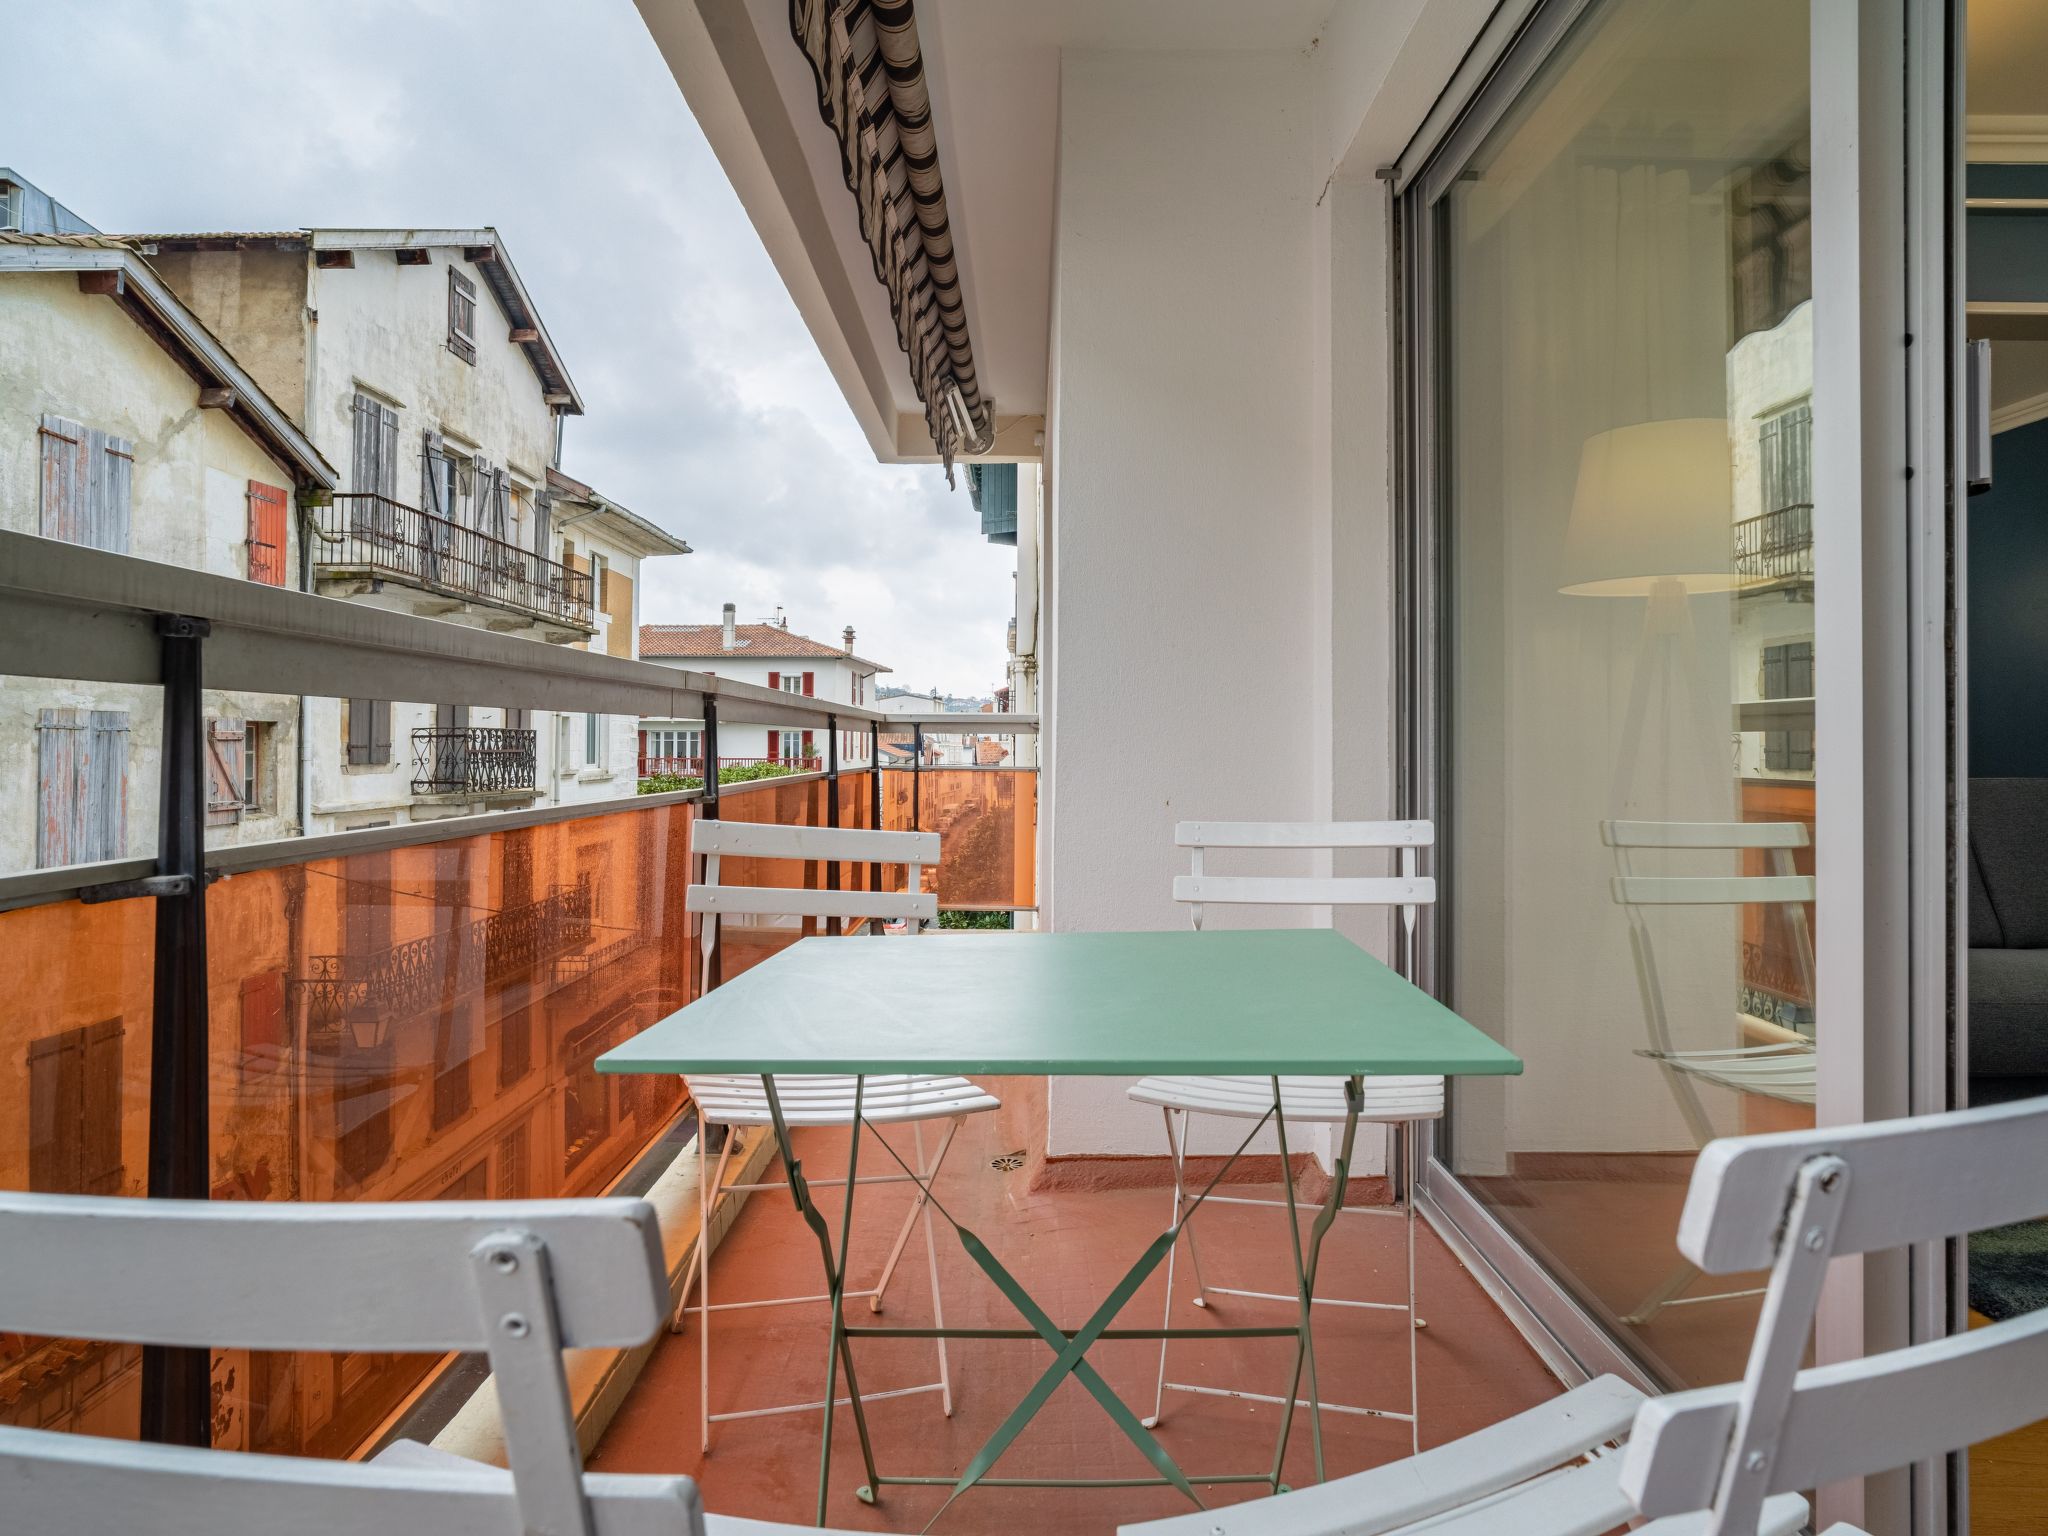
(2008, 879)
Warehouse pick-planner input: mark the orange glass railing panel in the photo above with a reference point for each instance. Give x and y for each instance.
(413, 1024)
(987, 821)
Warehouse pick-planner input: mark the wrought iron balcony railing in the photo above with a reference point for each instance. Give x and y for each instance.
(472, 759)
(1777, 546)
(388, 539)
(403, 980)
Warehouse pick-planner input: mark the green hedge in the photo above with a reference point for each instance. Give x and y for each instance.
(739, 773)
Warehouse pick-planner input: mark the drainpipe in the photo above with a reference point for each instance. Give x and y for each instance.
(305, 817)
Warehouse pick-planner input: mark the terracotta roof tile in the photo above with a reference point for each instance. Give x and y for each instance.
(706, 642)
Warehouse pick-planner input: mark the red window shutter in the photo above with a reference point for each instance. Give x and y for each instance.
(774, 679)
(810, 681)
(266, 533)
(774, 745)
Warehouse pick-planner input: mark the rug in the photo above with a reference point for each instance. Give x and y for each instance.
(2009, 1269)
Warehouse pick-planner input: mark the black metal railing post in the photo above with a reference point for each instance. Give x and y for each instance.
(707, 808)
(177, 1392)
(834, 926)
(875, 794)
(916, 777)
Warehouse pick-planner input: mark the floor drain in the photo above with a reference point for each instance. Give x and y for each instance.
(1009, 1162)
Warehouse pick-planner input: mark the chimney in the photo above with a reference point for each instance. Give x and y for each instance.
(727, 641)
(849, 639)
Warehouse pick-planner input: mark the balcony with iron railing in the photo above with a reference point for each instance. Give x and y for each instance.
(473, 760)
(359, 535)
(1777, 547)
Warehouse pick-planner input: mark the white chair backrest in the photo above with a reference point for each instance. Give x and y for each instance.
(1408, 890)
(83, 1485)
(1784, 886)
(852, 845)
(1794, 1201)
(520, 1279)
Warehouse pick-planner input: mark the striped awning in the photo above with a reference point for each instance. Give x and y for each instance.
(872, 94)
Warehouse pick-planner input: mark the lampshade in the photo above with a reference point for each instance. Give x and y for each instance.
(1652, 505)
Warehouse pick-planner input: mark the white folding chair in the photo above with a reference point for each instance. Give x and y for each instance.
(521, 1280)
(1844, 1190)
(734, 1102)
(1782, 1070)
(1389, 1101)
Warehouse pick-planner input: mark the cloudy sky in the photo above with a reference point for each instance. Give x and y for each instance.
(708, 408)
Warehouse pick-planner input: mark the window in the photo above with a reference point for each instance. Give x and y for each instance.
(227, 771)
(373, 460)
(1785, 444)
(87, 476)
(81, 786)
(74, 1111)
(461, 316)
(266, 533)
(594, 739)
(515, 1048)
(451, 1065)
(368, 731)
(1788, 674)
(668, 743)
(600, 573)
(362, 1108)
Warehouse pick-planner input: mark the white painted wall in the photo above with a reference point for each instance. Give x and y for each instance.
(832, 680)
(1217, 533)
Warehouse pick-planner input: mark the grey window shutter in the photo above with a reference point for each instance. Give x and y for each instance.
(359, 730)
(106, 785)
(60, 788)
(226, 741)
(387, 451)
(433, 461)
(543, 516)
(63, 490)
(380, 730)
(110, 476)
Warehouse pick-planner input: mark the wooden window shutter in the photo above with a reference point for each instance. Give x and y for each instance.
(87, 481)
(774, 679)
(774, 745)
(369, 731)
(262, 1012)
(60, 788)
(225, 743)
(106, 784)
(810, 684)
(380, 731)
(100, 1116)
(266, 533)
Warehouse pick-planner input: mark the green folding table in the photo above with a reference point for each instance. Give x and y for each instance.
(1266, 1003)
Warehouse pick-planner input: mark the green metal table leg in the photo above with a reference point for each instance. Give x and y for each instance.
(838, 1351)
(1305, 1269)
(1071, 1352)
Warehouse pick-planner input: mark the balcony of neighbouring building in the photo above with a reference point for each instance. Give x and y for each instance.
(362, 543)
(478, 760)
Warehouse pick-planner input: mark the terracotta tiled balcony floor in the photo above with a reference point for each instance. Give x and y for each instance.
(1069, 1248)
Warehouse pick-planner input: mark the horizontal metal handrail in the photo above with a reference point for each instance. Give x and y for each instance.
(360, 530)
(87, 615)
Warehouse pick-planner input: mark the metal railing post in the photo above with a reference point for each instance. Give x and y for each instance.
(707, 808)
(875, 794)
(916, 776)
(177, 1392)
(835, 926)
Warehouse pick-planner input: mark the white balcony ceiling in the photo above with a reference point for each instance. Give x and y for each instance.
(994, 73)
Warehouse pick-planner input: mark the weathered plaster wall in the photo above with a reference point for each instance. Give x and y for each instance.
(255, 302)
(81, 357)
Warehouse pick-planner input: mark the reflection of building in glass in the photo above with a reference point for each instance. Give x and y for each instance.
(1770, 416)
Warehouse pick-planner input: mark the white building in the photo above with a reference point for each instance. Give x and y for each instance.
(416, 358)
(772, 656)
(126, 426)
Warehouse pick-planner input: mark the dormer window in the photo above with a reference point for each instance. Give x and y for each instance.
(461, 316)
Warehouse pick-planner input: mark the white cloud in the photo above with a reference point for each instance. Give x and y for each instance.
(709, 409)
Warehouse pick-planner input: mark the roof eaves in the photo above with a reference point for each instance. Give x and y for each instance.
(202, 347)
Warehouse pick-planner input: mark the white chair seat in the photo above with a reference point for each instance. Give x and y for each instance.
(826, 1099)
(1304, 1100)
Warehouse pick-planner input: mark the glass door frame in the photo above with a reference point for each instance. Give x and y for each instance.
(1890, 723)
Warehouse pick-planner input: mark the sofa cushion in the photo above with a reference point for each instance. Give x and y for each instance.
(2008, 1012)
(1984, 930)
(2009, 836)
